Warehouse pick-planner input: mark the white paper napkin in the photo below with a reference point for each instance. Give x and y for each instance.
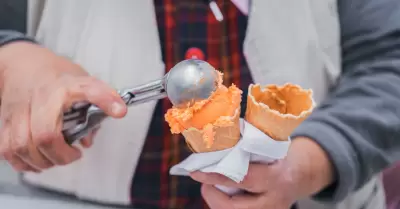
(254, 146)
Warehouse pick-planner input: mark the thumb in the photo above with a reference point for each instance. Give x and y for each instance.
(100, 94)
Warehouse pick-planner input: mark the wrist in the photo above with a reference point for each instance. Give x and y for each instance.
(13, 51)
(311, 166)
(10, 36)
(11, 54)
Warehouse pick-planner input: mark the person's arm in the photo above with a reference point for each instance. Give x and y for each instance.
(359, 123)
(8, 36)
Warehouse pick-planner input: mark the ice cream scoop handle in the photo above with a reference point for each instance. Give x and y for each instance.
(144, 93)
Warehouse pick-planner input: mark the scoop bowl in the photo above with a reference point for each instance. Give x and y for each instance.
(190, 81)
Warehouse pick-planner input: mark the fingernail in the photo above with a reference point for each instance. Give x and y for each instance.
(195, 175)
(116, 108)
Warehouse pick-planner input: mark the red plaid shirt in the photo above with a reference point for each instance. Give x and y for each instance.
(184, 24)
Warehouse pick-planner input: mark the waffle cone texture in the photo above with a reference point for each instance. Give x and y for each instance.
(225, 136)
(278, 110)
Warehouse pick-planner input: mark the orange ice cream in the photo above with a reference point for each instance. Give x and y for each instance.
(216, 111)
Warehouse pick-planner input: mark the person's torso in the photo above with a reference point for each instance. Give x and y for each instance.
(283, 41)
(186, 28)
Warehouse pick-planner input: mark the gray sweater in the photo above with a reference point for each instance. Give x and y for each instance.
(358, 125)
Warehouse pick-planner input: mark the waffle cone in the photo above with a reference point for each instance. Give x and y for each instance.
(226, 136)
(278, 110)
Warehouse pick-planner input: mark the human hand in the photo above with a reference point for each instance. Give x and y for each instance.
(305, 171)
(36, 87)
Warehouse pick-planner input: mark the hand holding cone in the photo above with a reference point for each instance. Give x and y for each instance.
(213, 124)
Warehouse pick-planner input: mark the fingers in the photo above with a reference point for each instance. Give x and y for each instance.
(215, 198)
(5, 151)
(22, 146)
(249, 201)
(88, 140)
(258, 177)
(15, 135)
(46, 119)
(18, 165)
(42, 151)
(21, 143)
(46, 125)
(52, 145)
(260, 201)
(98, 93)
(46, 133)
(214, 179)
(255, 181)
(267, 187)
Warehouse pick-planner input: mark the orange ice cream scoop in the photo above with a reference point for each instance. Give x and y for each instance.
(216, 111)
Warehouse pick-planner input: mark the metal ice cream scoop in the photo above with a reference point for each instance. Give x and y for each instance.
(187, 82)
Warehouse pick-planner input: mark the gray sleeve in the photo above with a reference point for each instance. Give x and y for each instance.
(8, 36)
(358, 125)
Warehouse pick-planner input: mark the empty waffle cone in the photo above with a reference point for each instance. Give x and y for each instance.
(278, 110)
(225, 135)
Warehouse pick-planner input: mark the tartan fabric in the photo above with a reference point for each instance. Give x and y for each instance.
(185, 24)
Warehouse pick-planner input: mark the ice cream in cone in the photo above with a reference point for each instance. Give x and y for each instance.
(212, 124)
(278, 110)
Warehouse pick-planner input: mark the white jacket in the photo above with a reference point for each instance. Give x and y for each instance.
(304, 48)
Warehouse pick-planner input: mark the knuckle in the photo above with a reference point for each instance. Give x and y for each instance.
(247, 180)
(65, 160)
(21, 150)
(57, 160)
(40, 161)
(59, 93)
(61, 90)
(249, 184)
(6, 155)
(91, 79)
(203, 191)
(19, 167)
(74, 158)
(6, 118)
(44, 139)
(62, 161)
(84, 82)
(45, 165)
(20, 146)
(4, 150)
(45, 143)
(288, 179)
